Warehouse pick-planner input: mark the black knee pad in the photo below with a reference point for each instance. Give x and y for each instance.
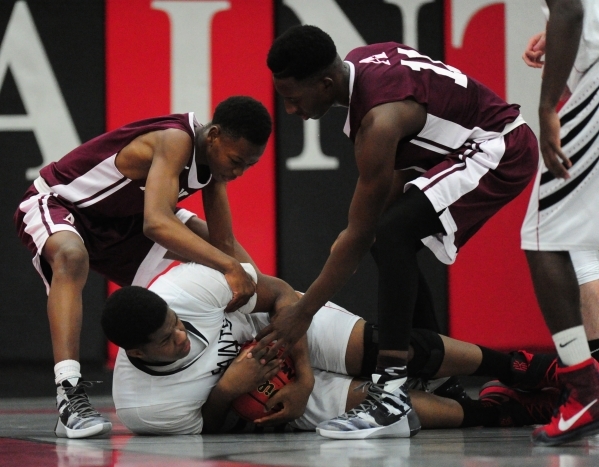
(429, 352)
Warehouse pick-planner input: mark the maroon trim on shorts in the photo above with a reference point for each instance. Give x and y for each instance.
(43, 213)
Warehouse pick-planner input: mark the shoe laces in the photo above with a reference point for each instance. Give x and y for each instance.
(78, 400)
(541, 408)
(551, 378)
(375, 396)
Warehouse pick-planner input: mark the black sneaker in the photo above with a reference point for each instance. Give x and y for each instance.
(386, 413)
(521, 408)
(76, 416)
(533, 371)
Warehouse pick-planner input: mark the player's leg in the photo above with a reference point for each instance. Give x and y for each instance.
(67, 257)
(433, 356)
(562, 216)
(558, 294)
(398, 239)
(48, 229)
(586, 265)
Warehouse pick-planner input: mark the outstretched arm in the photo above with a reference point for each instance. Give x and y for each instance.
(376, 144)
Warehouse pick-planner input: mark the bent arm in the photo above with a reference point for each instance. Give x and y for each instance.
(170, 154)
(218, 217)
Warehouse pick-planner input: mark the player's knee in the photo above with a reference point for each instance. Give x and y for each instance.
(70, 259)
(429, 352)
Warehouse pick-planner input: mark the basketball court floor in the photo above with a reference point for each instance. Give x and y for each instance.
(27, 439)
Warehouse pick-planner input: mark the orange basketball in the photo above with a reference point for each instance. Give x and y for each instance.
(250, 406)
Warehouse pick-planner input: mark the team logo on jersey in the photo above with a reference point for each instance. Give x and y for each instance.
(70, 219)
(376, 58)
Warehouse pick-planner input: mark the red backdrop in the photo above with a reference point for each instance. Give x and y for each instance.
(138, 85)
(491, 300)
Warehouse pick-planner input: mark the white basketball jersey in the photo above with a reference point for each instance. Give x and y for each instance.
(199, 296)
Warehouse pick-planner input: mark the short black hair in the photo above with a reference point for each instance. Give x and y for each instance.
(301, 52)
(244, 116)
(131, 314)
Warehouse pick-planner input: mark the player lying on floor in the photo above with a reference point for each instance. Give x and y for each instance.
(181, 368)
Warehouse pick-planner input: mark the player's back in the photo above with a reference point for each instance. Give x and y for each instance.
(88, 176)
(458, 107)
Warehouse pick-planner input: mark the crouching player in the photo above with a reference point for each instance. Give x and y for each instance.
(179, 366)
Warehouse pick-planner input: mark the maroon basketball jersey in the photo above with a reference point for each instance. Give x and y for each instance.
(88, 177)
(459, 109)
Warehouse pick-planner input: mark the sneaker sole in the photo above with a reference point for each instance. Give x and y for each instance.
(405, 428)
(574, 435)
(62, 431)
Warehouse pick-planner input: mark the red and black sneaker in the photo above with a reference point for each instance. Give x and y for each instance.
(533, 371)
(519, 408)
(578, 415)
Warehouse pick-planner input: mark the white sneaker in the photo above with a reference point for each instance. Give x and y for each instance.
(77, 418)
(386, 413)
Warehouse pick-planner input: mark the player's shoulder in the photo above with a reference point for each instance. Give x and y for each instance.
(207, 288)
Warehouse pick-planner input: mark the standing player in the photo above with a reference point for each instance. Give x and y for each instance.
(456, 149)
(110, 205)
(563, 211)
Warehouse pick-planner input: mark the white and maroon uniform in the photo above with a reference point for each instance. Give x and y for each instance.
(563, 215)
(475, 152)
(86, 194)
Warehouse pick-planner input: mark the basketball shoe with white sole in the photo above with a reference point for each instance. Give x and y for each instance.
(386, 413)
(77, 418)
(578, 414)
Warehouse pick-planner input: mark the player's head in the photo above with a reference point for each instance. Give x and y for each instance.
(236, 136)
(140, 321)
(302, 61)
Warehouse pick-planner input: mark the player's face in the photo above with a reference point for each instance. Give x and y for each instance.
(229, 158)
(307, 99)
(169, 343)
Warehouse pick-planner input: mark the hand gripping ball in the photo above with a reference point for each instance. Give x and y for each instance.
(250, 406)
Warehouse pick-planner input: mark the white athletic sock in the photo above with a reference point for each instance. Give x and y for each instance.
(67, 369)
(572, 346)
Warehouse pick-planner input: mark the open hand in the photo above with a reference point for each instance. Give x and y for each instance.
(288, 325)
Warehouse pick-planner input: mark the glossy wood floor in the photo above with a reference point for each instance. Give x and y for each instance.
(27, 439)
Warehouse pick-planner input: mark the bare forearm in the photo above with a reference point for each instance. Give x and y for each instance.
(340, 266)
(562, 40)
(301, 359)
(218, 217)
(216, 407)
(177, 238)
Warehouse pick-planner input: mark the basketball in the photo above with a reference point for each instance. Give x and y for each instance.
(250, 406)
